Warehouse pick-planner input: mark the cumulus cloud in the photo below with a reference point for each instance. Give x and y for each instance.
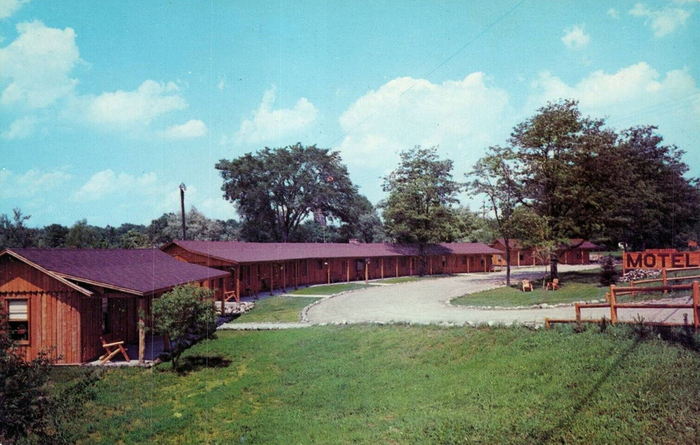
(9, 7)
(138, 107)
(575, 37)
(634, 95)
(31, 183)
(20, 128)
(462, 117)
(193, 128)
(269, 124)
(612, 12)
(662, 21)
(107, 182)
(38, 65)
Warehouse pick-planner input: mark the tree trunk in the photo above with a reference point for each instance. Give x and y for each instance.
(553, 272)
(507, 265)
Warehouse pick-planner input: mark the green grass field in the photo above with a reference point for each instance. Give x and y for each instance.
(276, 309)
(407, 385)
(329, 289)
(575, 286)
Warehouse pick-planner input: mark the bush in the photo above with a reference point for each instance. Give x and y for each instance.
(608, 274)
(28, 411)
(184, 314)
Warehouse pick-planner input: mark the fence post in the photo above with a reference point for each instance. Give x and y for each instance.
(696, 305)
(664, 277)
(613, 302)
(578, 312)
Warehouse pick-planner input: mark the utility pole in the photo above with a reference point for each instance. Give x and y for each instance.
(182, 209)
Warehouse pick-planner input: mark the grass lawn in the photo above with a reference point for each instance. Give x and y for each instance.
(329, 289)
(276, 309)
(407, 385)
(575, 286)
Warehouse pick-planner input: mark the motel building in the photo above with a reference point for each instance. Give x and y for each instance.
(266, 267)
(70, 302)
(65, 301)
(576, 251)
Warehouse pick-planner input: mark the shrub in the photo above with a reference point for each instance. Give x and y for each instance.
(608, 274)
(29, 412)
(184, 314)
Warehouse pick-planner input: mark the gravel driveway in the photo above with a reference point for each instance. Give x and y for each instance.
(427, 302)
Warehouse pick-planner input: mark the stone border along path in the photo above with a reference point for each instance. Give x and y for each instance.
(428, 302)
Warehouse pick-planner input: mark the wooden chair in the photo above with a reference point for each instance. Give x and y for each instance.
(231, 295)
(527, 286)
(552, 285)
(112, 349)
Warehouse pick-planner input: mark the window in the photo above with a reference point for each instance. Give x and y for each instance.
(106, 328)
(18, 311)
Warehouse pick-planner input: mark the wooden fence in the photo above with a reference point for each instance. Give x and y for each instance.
(614, 305)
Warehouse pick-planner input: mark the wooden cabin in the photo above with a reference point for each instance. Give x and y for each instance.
(576, 251)
(63, 300)
(264, 267)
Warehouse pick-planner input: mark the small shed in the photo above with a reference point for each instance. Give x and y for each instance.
(62, 301)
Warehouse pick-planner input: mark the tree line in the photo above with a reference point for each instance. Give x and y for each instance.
(560, 175)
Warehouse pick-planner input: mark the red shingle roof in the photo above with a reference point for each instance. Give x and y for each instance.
(241, 252)
(140, 271)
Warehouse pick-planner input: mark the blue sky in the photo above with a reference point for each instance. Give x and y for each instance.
(105, 107)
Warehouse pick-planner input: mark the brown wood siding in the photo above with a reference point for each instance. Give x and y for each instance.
(54, 310)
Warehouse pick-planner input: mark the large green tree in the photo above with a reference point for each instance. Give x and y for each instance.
(276, 189)
(421, 193)
(494, 177)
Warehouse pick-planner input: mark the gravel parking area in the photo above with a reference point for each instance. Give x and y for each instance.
(427, 302)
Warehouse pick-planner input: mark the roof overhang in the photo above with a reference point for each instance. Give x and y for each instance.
(53, 275)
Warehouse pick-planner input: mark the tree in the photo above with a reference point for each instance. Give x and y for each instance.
(494, 177)
(183, 314)
(14, 232)
(53, 235)
(558, 156)
(276, 189)
(421, 193)
(657, 206)
(82, 235)
(133, 239)
(363, 223)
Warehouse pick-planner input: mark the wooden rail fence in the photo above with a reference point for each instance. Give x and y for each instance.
(615, 306)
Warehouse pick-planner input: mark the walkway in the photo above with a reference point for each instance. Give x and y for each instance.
(427, 302)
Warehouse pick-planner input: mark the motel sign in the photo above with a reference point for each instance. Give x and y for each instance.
(660, 259)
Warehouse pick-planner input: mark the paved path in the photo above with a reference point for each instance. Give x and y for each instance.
(262, 326)
(427, 302)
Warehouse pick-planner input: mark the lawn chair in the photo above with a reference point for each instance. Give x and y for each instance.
(527, 286)
(231, 295)
(112, 348)
(552, 285)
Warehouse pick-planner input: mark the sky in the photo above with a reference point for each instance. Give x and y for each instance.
(106, 107)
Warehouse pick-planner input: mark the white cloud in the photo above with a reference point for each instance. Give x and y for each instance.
(222, 84)
(106, 182)
(612, 12)
(139, 107)
(38, 65)
(634, 95)
(193, 128)
(9, 7)
(662, 21)
(32, 183)
(268, 124)
(575, 37)
(463, 117)
(20, 128)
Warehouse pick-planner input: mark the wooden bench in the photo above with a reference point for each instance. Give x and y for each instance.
(527, 286)
(112, 348)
